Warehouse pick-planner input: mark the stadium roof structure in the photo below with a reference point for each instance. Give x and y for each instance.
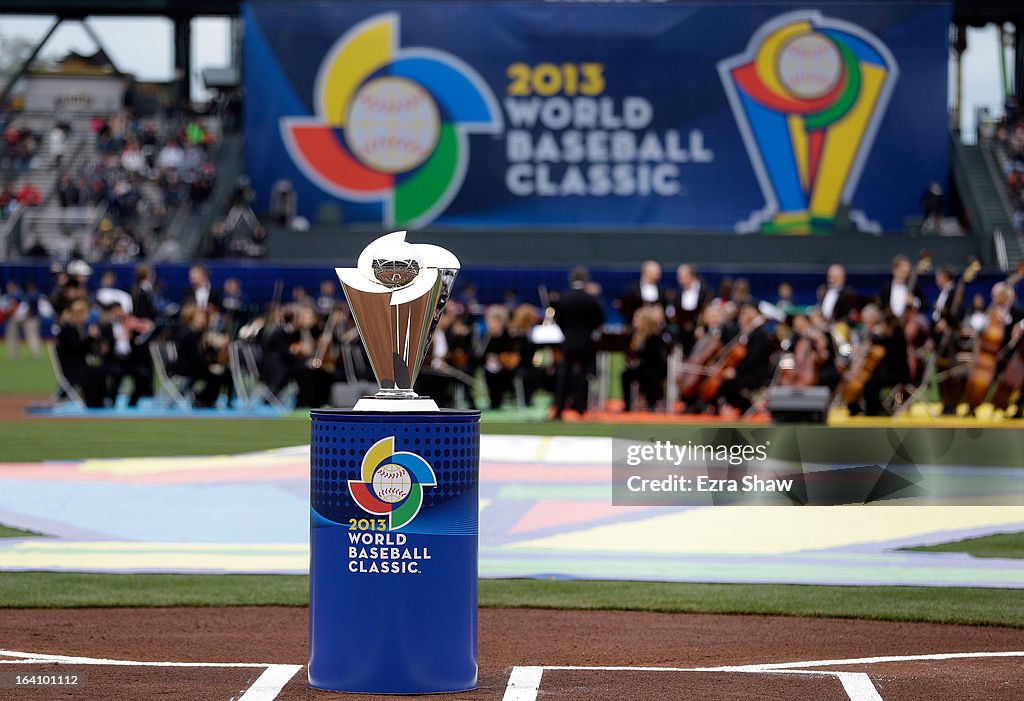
(71, 9)
(970, 12)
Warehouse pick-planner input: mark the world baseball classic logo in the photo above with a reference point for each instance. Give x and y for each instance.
(391, 483)
(808, 95)
(391, 124)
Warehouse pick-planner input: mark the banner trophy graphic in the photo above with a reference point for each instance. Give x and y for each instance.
(809, 95)
(394, 498)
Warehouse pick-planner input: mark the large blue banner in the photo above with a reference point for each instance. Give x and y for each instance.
(743, 117)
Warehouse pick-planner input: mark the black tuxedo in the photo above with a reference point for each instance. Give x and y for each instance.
(215, 299)
(846, 302)
(632, 299)
(753, 372)
(684, 321)
(885, 295)
(77, 351)
(579, 315)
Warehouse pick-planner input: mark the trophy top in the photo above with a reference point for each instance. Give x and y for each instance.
(396, 293)
(390, 263)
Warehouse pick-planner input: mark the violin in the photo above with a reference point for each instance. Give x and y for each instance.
(988, 345)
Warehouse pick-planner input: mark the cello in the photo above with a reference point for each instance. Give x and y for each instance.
(731, 356)
(989, 344)
(696, 368)
(871, 355)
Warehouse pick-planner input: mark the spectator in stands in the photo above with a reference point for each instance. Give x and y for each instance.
(78, 353)
(29, 195)
(8, 201)
(57, 142)
(931, 208)
(132, 158)
(171, 157)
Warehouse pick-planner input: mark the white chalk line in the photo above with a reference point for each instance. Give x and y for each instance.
(524, 682)
(267, 686)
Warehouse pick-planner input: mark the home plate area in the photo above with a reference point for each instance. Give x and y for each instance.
(259, 654)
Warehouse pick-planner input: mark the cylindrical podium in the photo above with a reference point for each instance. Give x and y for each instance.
(393, 551)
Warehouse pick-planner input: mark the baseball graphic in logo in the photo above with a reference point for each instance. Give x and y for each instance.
(810, 65)
(393, 125)
(391, 483)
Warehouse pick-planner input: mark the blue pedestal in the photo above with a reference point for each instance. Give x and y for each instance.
(393, 551)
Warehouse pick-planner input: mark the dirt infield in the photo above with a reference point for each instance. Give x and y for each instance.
(525, 641)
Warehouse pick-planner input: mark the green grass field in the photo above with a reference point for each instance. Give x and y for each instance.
(36, 440)
(26, 375)
(998, 545)
(937, 605)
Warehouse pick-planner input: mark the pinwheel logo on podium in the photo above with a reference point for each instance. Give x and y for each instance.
(808, 95)
(392, 483)
(391, 123)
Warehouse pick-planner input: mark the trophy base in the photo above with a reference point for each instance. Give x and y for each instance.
(395, 405)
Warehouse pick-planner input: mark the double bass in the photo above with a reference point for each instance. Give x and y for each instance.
(915, 325)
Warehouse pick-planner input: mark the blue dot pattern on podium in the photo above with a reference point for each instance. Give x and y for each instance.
(450, 443)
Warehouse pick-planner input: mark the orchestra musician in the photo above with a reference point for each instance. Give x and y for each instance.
(578, 313)
(754, 370)
(895, 296)
(498, 354)
(684, 313)
(947, 316)
(644, 292)
(125, 353)
(646, 358)
(201, 293)
(883, 330)
(78, 352)
(837, 300)
(532, 371)
(199, 351)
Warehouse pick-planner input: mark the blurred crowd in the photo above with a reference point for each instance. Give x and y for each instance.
(1010, 137)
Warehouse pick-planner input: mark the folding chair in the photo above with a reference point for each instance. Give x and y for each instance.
(256, 390)
(171, 387)
(64, 386)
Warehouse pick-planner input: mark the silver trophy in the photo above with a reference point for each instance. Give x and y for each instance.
(396, 294)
